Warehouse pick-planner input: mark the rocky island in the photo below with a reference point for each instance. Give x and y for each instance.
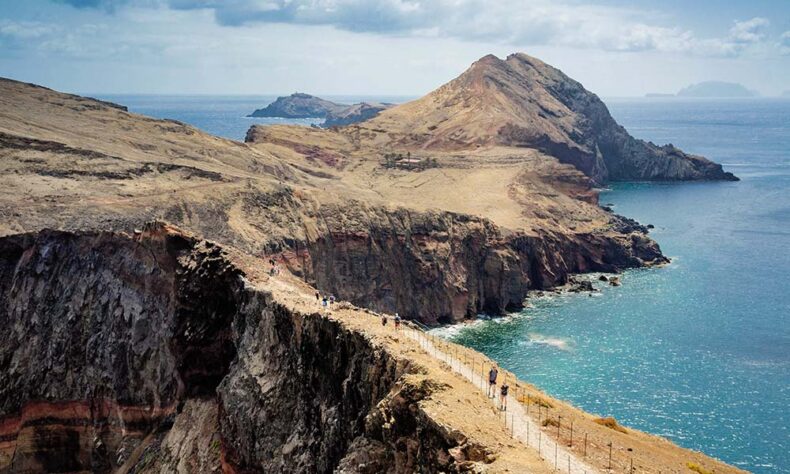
(145, 329)
(299, 105)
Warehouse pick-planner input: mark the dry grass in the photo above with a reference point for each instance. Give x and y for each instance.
(610, 422)
(550, 422)
(533, 400)
(697, 468)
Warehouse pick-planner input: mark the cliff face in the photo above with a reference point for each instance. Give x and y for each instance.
(444, 267)
(153, 354)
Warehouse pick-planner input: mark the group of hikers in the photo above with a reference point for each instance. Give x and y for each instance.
(493, 373)
(325, 301)
(503, 390)
(397, 320)
(275, 268)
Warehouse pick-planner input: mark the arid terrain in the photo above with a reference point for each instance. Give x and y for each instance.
(135, 346)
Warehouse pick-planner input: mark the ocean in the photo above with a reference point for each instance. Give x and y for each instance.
(697, 351)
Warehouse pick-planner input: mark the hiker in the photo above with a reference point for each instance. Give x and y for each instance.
(317, 297)
(383, 319)
(324, 302)
(503, 396)
(331, 299)
(397, 321)
(492, 381)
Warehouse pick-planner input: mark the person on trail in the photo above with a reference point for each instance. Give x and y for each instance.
(317, 297)
(492, 381)
(383, 319)
(331, 299)
(503, 396)
(397, 321)
(324, 302)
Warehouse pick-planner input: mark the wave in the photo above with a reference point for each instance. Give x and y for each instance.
(556, 342)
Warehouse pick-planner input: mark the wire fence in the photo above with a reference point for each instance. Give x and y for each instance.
(533, 419)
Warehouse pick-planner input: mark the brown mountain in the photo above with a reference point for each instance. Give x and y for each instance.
(523, 102)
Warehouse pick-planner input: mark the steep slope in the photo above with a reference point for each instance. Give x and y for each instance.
(523, 102)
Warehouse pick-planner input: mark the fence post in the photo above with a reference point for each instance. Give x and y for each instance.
(585, 445)
(559, 423)
(571, 444)
(610, 456)
(555, 455)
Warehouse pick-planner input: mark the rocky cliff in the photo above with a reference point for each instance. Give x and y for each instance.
(154, 354)
(444, 267)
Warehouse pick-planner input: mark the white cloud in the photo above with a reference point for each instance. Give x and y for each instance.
(749, 31)
(515, 22)
(25, 30)
(784, 43)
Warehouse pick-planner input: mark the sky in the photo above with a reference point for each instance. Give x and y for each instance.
(616, 48)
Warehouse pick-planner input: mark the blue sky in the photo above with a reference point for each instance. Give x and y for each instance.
(388, 47)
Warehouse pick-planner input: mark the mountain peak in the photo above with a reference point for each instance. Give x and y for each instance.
(523, 102)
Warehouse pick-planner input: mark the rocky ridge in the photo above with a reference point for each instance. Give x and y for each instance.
(523, 102)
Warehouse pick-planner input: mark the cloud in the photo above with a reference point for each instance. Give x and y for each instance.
(514, 22)
(749, 31)
(24, 30)
(784, 43)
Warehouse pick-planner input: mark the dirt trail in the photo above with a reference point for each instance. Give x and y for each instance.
(521, 426)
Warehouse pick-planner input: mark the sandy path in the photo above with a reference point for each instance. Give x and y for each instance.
(521, 426)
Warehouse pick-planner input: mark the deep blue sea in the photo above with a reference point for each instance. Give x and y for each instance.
(697, 351)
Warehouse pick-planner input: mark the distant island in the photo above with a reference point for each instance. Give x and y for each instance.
(301, 105)
(710, 89)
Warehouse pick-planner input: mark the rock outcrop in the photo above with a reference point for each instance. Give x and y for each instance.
(354, 114)
(153, 353)
(444, 267)
(299, 105)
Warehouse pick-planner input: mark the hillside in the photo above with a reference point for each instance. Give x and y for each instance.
(521, 102)
(133, 345)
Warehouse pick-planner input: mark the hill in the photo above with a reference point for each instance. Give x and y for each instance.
(522, 102)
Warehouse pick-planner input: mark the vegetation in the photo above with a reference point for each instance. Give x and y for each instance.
(534, 400)
(550, 422)
(610, 422)
(697, 468)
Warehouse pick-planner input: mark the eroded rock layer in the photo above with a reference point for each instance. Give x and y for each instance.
(153, 354)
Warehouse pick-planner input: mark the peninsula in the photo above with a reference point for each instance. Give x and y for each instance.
(158, 284)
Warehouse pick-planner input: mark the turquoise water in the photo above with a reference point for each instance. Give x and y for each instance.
(698, 351)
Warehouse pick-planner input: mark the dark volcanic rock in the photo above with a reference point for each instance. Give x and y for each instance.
(299, 105)
(441, 267)
(153, 354)
(598, 145)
